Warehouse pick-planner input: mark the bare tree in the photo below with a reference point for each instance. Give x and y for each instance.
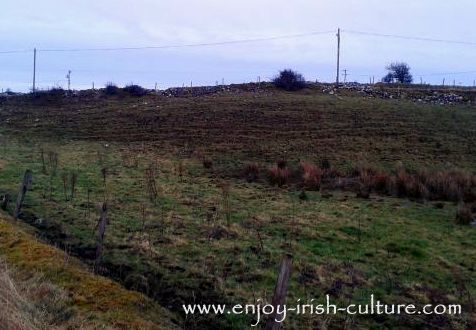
(398, 72)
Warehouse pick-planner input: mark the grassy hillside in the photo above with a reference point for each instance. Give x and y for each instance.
(264, 126)
(183, 230)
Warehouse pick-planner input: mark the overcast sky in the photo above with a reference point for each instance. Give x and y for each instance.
(64, 24)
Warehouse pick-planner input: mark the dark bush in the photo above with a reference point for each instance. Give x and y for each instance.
(8, 91)
(53, 95)
(52, 92)
(289, 80)
(111, 89)
(135, 90)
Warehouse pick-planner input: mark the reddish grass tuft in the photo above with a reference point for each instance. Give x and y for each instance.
(279, 176)
(311, 175)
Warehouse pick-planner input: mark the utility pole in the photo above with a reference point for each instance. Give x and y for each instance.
(443, 82)
(345, 75)
(338, 57)
(34, 70)
(68, 76)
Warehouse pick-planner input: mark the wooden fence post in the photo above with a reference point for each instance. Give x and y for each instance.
(280, 291)
(101, 230)
(4, 202)
(25, 186)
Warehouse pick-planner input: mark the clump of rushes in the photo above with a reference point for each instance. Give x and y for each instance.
(252, 172)
(279, 176)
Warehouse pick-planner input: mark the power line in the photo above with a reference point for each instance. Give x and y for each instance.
(15, 51)
(374, 34)
(447, 73)
(291, 36)
(229, 42)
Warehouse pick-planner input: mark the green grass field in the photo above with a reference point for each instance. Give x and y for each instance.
(210, 236)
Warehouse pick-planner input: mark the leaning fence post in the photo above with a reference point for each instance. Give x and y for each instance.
(25, 186)
(280, 291)
(101, 230)
(4, 202)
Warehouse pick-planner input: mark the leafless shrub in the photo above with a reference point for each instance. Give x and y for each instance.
(179, 169)
(225, 188)
(70, 179)
(65, 178)
(73, 179)
(151, 184)
(52, 162)
(43, 162)
(143, 211)
(104, 174)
